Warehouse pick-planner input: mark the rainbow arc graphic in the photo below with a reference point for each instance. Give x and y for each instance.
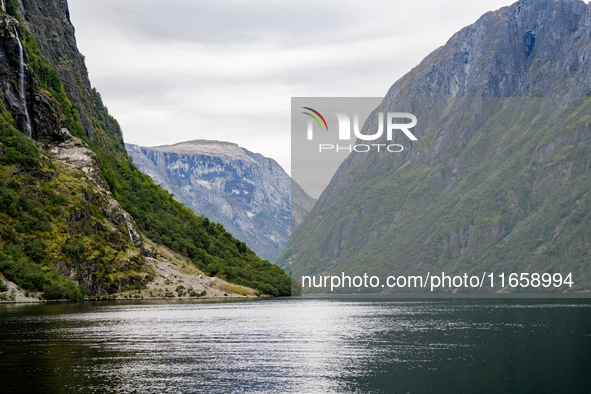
(315, 118)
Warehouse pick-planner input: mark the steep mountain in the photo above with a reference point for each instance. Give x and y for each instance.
(247, 193)
(76, 215)
(499, 179)
(301, 204)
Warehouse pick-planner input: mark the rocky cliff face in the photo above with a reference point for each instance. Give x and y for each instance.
(36, 113)
(246, 192)
(532, 45)
(49, 22)
(491, 184)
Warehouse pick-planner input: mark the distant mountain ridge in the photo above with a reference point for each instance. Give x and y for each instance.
(246, 192)
(491, 184)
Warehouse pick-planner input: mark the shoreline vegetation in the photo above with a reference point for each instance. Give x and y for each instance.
(230, 297)
(174, 278)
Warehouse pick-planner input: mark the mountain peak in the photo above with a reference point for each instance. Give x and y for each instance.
(222, 149)
(251, 195)
(531, 45)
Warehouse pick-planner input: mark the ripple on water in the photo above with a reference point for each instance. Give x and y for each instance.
(277, 346)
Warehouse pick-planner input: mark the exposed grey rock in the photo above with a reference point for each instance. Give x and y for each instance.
(246, 192)
(73, 152)
(530, 45)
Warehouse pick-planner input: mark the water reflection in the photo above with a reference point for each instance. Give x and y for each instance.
(307, 346)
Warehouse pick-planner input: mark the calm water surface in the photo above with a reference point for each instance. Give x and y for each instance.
(298, 346)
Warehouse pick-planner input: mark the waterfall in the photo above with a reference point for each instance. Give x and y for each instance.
(23, 96)
(3, 6)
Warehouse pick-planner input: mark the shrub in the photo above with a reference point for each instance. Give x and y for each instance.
(73, 248)
(36, 250)
(67, 290)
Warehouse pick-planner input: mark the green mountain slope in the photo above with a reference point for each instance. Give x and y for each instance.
(514, 199)
(491, 185)
(62, 216)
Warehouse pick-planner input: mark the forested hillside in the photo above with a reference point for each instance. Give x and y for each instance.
(69, 191)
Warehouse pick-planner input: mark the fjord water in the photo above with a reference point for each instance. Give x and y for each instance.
(298, 346)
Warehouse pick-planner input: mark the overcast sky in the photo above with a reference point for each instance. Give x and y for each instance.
(179, 70)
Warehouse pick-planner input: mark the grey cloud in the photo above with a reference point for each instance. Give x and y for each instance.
(228, 22)
(169, 70)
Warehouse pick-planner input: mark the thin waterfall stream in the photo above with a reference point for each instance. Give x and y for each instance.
(23, 97)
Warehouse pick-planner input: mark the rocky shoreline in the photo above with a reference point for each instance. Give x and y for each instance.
(175, 279)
